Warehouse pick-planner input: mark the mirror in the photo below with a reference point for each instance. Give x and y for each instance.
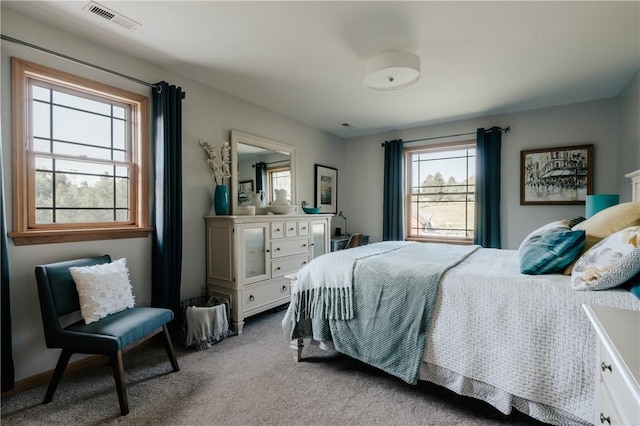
(259, 163)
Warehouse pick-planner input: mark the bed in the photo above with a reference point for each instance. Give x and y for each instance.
(491, 332)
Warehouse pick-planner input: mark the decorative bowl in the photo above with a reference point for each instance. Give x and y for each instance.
(283, 209)
(311, 210)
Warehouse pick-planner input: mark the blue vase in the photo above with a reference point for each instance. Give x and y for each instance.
(221, 200)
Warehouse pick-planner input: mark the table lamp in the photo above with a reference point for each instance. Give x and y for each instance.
(598, 202)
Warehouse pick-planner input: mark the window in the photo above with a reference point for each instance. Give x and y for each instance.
(440, 200)
(80, 158)
(279, 178)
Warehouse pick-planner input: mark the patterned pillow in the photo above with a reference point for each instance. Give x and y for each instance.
(609, 263)
(103, 289)
(550, 252)
(560, 225)
(606, 222)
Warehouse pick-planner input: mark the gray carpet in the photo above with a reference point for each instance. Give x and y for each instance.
(249, 380)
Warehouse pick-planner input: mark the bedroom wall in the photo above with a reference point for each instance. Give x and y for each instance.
(628, 135)
(207, 113)
(582, 123)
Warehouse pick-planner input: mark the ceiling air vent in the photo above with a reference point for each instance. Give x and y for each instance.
(110, 15)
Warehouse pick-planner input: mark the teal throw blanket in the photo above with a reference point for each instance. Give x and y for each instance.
(393, 299)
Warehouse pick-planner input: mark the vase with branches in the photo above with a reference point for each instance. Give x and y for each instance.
(218, 162)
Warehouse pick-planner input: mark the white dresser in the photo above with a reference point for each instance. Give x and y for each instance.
(249, 256)
(617, 399)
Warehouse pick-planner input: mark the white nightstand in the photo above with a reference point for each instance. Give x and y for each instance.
(617, 399)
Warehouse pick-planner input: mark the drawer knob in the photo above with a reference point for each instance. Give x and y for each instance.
(291, 229)
(604, 419)
(304, 227)
(606, 367)
(278, 268)
(277, 229)
(251, 298)
(278, 249)
(284, 288)
(304, 262)
(304, 245)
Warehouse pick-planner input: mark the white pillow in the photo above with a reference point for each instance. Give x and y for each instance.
(103, 289)
(609, 263)
(560, 225)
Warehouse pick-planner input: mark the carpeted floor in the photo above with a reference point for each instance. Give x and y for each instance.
(249, 380)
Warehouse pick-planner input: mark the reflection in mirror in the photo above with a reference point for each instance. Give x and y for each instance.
(259, 168)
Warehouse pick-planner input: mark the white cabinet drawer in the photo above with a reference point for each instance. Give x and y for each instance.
(291, 229)
(288, 247)
(282, 267)
(303, 228)
(608, 412)
(625, 407)
(255, 297)
(277, 229)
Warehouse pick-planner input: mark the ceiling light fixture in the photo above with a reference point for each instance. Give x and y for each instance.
(392, 71)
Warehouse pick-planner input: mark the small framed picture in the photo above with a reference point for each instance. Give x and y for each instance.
(326, 189)
(561, 175)
(244, 187)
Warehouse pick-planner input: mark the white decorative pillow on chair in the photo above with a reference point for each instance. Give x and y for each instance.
(610, 262)
(103, 289)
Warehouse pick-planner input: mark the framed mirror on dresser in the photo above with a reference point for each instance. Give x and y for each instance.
(262, 164)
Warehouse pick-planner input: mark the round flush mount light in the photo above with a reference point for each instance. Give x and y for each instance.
(392, 71)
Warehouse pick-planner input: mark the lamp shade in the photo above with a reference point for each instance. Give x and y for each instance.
(598, 202)
(392, 71)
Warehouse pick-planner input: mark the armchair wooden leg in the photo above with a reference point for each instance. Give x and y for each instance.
(169, 347)
(65, 355)
(117, 365)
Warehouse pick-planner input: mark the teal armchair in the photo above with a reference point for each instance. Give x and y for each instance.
(109, 336)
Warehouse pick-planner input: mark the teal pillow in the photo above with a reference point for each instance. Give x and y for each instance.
(551, 252)
(633, 285)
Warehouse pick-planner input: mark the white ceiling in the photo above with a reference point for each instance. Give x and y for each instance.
(306, 59)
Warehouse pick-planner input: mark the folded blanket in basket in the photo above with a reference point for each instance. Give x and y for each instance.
(206, 325)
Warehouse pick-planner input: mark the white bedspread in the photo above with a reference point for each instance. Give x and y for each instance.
(526, 336)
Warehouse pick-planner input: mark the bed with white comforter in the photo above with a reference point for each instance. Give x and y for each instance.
(512, 340)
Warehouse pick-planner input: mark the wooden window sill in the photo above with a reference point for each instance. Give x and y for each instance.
(75, 235)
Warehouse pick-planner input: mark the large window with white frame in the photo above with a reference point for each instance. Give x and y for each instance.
(440, 194)
(80, 158)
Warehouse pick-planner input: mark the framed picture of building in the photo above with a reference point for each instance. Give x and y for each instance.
(562, 175)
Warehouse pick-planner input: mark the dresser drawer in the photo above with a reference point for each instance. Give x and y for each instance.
(282, 267)
(291, 229)
(625, 406)
(288, 247)
(608, 414)
(303, 228)
(277, 229)
(255, 297)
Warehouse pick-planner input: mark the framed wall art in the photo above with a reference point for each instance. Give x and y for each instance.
(244, 187)
(562, 175)
(327, 189)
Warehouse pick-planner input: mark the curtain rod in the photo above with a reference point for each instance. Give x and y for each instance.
(272, 162)
(502, 129)
(81, 62)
